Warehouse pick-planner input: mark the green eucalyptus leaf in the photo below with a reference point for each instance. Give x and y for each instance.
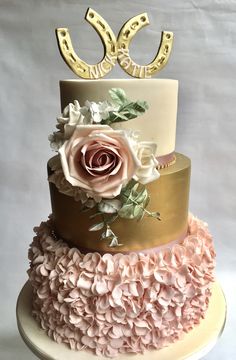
(97, 227)
(85, 209)
(95, 214)
(109, 206)
(118, 96)
(120, 115)
(143, 197)
(134, 198)
(114, 242)
(131, 111)
(141, 106)
(137, 212)
(134, 189)
(146, 201)
(127, 109)
(112, 218)
(103, 236)
(129, 194)
(127, 211)
(141, 216)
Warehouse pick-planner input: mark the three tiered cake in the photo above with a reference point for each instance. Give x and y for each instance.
(120, 266)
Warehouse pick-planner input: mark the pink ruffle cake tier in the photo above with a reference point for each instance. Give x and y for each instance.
(122, 303)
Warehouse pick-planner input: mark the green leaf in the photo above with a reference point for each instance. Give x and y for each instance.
(118, 96)
(97, 227)
(141, 106)
(94, 215)
(135, 192)
(108, 234)
(135, 199)
(127, 211)
(112, 218)
(84, 209)
(141, 216)
(114, 242)
(127, 109)
(137, 212)
(120, 116)
(142, 196)
(131, 112)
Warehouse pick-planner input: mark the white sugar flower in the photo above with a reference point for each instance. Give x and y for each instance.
(71, 117)
(56, 140)
(96, 112)
(67, 122)
(146, 154)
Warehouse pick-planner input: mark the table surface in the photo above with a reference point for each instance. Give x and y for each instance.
(194, 345)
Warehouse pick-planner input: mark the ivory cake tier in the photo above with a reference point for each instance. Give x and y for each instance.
(158, 124)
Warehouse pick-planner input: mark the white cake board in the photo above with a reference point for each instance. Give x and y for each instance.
(194, 345)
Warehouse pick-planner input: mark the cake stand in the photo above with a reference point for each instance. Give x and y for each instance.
(194, 345)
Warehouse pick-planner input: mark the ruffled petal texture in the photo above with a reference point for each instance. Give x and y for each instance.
(122, 303)
(98, 160)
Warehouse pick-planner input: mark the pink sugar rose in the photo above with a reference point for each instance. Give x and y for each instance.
(98, 160)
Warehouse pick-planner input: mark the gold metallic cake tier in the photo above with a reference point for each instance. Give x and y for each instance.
(169, 195)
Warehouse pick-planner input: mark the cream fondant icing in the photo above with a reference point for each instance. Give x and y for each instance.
(111, 304)
(158, 124)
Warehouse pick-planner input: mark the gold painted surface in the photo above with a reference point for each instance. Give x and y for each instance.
(169, 195)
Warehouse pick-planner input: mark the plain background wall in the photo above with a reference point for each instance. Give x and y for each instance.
(204, 61)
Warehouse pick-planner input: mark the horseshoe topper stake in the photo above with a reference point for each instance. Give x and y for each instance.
(127, 32)
(80, 67)
(114, 49)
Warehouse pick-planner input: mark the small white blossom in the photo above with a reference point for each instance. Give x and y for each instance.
(96, 112)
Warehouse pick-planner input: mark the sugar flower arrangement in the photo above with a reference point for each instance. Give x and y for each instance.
(103, 168)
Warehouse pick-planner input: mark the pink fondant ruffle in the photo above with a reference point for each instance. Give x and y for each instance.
(112, 304)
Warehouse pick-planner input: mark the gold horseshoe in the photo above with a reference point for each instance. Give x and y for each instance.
(80, 67)
(126, 34)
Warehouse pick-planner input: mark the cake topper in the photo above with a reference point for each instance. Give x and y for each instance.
(114, 49)
(80, 67)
